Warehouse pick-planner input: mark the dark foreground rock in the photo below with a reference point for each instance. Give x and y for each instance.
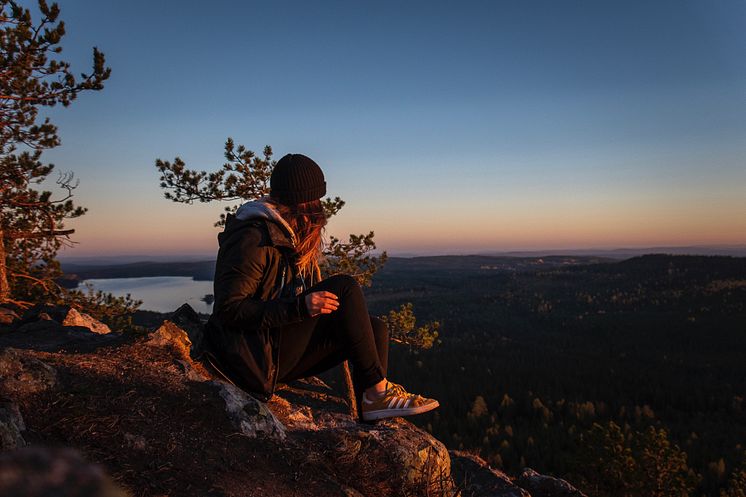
(43, 472)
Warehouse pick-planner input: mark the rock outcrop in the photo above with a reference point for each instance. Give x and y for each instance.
(251, 417)
(546, 486)
(11, 426)
(53, 328)
(8, 316)
(475, 477)
(22, 374)
(188, 320)
(41, 317)
(392, 457)
(161, 423)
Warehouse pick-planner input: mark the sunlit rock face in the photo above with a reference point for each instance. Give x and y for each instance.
(41, 317)
(53, 328)
(390, 457)
(8, 316)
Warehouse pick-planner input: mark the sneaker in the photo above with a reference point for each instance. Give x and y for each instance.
(395, 402)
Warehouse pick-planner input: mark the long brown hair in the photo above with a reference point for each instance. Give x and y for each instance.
(307, 221)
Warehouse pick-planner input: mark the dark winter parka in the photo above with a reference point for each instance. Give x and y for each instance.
(257, 290)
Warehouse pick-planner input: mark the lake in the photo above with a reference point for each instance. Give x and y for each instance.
(159, 293)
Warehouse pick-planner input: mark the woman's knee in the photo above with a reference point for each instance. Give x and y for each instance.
(344, 283)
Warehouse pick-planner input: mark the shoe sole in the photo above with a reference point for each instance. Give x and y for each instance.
(394, 413)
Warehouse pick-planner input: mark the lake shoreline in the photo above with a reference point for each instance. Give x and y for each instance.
(161, 294)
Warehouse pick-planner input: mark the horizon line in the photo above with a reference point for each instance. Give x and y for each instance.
(453, 252)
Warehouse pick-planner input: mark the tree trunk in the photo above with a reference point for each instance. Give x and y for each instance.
(350, 389)
(4, 286)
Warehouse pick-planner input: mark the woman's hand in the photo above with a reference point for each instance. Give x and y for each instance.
(321, 303)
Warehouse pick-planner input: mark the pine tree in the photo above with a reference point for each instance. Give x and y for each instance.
(479, 407)
(737, 481)
(621, 462)
(32, 222)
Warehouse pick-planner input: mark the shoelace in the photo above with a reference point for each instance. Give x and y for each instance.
(395, 388)
(399, 390)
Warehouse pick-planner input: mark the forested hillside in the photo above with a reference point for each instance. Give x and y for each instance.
(625, 377)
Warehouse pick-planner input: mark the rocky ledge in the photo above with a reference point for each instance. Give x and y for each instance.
(79, 401)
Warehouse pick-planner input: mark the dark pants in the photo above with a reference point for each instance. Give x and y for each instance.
(319, 343)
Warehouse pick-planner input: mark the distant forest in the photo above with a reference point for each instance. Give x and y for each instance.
(75, 273)
(627, 378)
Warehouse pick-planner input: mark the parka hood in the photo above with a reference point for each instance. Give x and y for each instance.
(262, 209)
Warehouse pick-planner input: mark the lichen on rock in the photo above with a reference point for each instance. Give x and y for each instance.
(11, 426)
(248, 414)
(23, 374)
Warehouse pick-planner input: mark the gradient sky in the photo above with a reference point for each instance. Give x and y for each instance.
(450, 127)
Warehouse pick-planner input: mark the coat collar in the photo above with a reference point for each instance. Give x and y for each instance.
(262, 208)
(277, 235)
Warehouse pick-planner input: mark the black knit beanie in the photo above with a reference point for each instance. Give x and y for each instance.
(297, 179)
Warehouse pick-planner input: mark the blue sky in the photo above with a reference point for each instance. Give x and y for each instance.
(446, 127)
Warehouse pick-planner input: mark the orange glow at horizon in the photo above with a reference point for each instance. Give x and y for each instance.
(557, 226)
